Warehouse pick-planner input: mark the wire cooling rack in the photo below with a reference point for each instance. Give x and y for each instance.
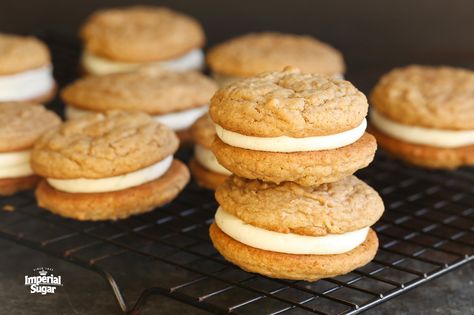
(426, 231)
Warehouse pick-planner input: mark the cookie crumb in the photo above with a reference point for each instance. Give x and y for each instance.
(8, 208)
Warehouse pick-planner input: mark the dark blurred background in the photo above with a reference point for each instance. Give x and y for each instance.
(374, 35)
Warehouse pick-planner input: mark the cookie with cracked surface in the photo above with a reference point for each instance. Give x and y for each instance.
(288, 103)
(291, 266)
(254, 53)
(425, 115)
(20, 126)
(141, 33)
(305, 168)
(115, 205)
(344, 206)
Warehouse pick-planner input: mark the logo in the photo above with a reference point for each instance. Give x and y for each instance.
(45, 282)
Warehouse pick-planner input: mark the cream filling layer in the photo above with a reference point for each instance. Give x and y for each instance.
(15, 164)
(137, 178)
(288, 243)
(223, 80)
(27, 84)
(206, 158)
(289, 144)
(175, 121)
(94, 64)
(420, 135)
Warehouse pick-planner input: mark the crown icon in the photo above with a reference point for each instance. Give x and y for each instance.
(43, 272)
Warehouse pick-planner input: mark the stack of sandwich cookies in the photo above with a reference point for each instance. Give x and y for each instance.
(123, 39)
(20, 125)
(255, 53)
(290, 126)
(107, 166)
(175, 99)
(425, 115)
(293, 209)
(204, 166)
(294, 232)
(26, 73)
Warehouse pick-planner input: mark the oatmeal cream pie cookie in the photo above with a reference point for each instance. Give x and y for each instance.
(291, 126)
(204, 166)
(108, 166)
(254, 53)
(123, 39)
(26, 72)
(425, 115)
(293, 232)
(175, 99)
(20, 125)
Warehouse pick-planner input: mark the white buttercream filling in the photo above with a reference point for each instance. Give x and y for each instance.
(94, 64)
(175, 121)
(290, 144)
(223, 80)
(421, 135)
(15, 164)
(27, 84)
(206, 158)
(288, 243)
(137, 178)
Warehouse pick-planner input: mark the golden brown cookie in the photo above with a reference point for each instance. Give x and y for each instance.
(289, 266)
(141, 34)
(288, 103)
(203, 131)
(425, 156)
(102, 145)
(255, 53)
(22, 123)
(150, 89)
(116, 204)
(22, 53)
(305, 168)
(204, 177)
(344, 206)
(9, 186)
(426, 96)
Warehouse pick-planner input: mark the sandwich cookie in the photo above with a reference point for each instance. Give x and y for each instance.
(175, 99)
(123, 39)
(291, 126)
(108, 166)
(293, 232)
(26, 72)
(20, 125)
(255, 53)
(204, 166)
(425, 115)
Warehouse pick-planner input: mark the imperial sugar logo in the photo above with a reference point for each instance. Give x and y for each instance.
(43, 281)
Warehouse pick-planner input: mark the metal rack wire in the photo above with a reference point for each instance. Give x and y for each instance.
(427, 230)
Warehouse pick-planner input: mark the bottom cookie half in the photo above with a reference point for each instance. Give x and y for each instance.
(425, 156)
(294, 267)
(9, 186)
(116, 204)
(205, 177)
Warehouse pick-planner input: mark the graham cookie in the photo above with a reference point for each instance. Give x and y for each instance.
(121, 39)
(425, 115)
(294, 232)
(25, 69)
(204, 166)
(254, 53)
(108, 166)
(175, 99)
(291, 126)
(20, 126)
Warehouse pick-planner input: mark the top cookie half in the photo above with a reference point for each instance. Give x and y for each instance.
(141, 34)
(22, 53)
(426, 96)
(289, 103)
(255, 53)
